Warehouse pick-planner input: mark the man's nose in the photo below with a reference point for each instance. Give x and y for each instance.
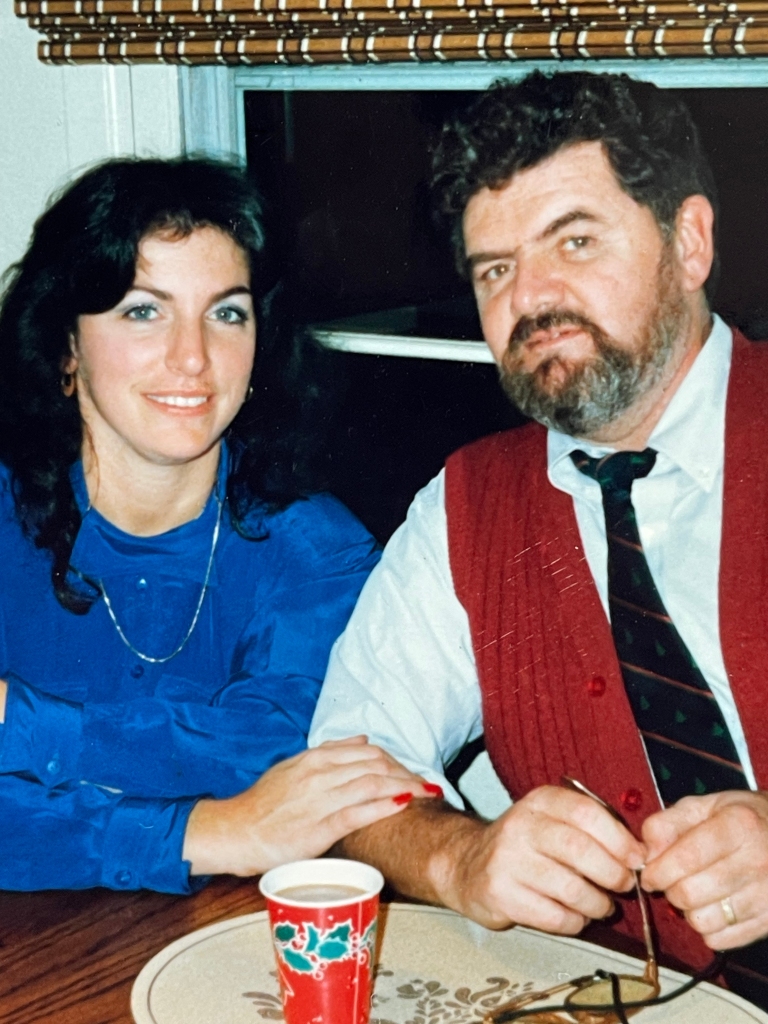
(187, 351)
(537, 287)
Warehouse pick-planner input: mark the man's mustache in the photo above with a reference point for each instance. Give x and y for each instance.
(529, 325)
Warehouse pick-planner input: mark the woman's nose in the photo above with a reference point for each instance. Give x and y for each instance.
(187, 351)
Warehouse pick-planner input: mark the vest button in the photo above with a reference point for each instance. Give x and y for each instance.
(631, 799)
(596, 686)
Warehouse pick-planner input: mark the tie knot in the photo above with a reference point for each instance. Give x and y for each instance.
(616, 472)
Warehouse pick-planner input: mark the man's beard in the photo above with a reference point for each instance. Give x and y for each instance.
(595, 392)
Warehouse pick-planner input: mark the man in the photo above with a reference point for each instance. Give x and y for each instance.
(590, 595)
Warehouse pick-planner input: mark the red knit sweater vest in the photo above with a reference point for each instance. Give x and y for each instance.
(553, 697)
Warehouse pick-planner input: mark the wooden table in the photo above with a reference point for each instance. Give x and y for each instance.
(71, 957)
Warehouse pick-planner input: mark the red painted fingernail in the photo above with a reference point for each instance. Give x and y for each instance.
(434, 789)
(402, 798)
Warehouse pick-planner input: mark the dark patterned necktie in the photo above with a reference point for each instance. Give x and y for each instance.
(689, 746)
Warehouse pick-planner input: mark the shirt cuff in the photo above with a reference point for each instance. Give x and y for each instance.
(143, 847)
(42, 734)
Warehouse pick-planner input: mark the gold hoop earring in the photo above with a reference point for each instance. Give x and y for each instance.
(68, 384)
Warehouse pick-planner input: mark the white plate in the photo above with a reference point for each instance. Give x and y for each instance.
(434, 968)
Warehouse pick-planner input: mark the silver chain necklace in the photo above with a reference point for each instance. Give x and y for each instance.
(195, 617)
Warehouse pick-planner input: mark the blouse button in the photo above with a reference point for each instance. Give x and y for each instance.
(123, 878)
(137, 671)
(141, 584)
(596, 686)
(52, 766)
(631, 799)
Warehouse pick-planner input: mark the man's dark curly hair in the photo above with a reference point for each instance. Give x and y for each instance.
(82, 260)
(648, 135)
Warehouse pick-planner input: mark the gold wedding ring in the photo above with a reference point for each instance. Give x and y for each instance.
(728, 912)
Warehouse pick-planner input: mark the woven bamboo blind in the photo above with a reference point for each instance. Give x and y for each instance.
(365, 31)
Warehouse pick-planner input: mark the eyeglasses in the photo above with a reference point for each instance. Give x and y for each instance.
(602, 997)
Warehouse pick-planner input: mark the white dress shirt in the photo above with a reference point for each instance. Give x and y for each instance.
(404, 672)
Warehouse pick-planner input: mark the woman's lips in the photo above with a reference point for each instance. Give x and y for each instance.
(178, 402)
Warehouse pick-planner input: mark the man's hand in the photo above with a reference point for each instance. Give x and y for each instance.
(707, 849)
(299, 808)
(546, 863)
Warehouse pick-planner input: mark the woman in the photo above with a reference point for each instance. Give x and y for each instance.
(169, 597)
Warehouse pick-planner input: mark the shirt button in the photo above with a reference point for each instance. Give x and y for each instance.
(137, 671)
(631, 799)
(141, 584)
(52, 766)
(596, 686)
(123, 878)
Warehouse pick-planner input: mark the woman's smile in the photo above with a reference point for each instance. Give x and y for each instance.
(177, 403)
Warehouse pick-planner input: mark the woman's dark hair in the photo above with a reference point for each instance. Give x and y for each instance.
(648, 135)
(82, 260)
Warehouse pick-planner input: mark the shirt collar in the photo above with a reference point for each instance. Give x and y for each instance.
(691, 432)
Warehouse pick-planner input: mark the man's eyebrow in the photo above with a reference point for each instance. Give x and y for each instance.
(487, 257)
(565, 220)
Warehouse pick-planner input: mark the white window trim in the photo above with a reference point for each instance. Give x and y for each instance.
(212, 96)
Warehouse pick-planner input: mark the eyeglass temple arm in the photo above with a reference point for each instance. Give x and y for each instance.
(651, 969)
(496, 1016)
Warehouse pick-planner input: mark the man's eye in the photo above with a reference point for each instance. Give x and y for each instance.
(495, 272)
(231, 315)
(577, 242)
(142, 311)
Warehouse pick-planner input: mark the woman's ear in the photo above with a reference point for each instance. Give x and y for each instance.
(68, 369)
(694, 241)
(69, 362)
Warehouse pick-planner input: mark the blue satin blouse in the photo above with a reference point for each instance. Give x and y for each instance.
(103, 755)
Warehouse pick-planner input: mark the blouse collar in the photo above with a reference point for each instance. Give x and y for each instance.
(102, 549)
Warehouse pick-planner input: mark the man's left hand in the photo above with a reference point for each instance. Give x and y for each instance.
(709, 856)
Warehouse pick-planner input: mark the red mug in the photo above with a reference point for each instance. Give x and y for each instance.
(322, 916)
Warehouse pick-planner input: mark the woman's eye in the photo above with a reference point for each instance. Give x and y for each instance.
(231, 315)
(142, 311)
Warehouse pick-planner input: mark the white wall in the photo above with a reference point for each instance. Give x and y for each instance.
(55, 121)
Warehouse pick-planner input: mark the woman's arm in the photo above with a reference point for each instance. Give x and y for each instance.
(77, 836)
(153, 747)
(300, 808)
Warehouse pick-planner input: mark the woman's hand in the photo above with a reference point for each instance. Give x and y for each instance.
(299, 808)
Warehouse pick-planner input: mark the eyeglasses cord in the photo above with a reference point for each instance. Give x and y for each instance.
(714, 967)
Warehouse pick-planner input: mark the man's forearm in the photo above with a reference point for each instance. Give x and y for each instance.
(420, 852)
